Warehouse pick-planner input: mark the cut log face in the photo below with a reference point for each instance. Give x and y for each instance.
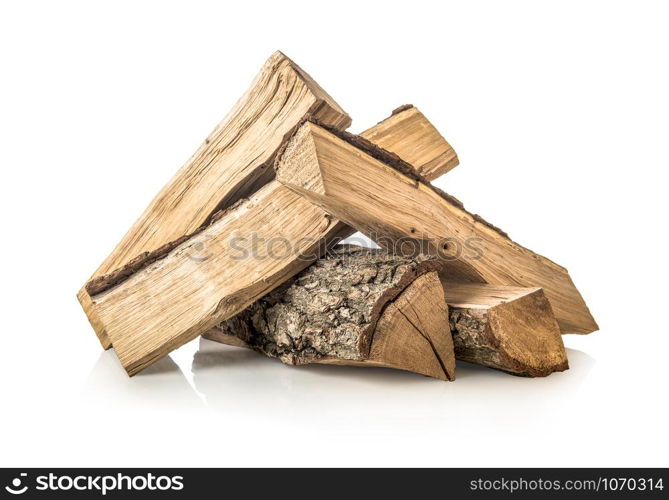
(385, 198)
(358, 306)
(508, 328)
(231, 164)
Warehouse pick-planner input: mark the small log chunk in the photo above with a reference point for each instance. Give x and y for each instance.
(358, 306)
(384, 197)
(508, 328)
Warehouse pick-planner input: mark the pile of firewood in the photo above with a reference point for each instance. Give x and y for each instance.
(243, 246)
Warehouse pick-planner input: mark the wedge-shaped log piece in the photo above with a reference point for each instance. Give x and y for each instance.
(231, 164)
(358, 306)
(385, 198)
(414, 139)
(508, 328)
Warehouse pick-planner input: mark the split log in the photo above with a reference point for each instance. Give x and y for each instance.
(358, 306)
(384, 197)
(234, 160)
(507, 328)
(164, 298)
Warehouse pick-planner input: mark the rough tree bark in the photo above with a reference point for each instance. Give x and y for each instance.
(357, 306)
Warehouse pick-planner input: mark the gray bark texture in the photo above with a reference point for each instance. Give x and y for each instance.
(330, 309)
(471, 338)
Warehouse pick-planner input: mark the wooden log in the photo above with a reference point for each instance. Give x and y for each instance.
(385, 198)
(234, 160)
(507, 328)
(413, 138)
(162, 299)
(358, 306)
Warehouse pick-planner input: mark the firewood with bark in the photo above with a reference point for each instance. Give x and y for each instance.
(322, 315)
(356, 306)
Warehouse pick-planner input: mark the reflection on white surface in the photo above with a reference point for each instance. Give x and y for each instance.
(238, 380)
(160, 386)
(233, 398)
(244, 388)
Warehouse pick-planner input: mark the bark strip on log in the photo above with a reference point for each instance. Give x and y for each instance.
(358, 306)
(231, 164)
(383, 197)
(507, 328)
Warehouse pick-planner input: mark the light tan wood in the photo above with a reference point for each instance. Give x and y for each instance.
(232, 163)
(411, 136)
(508, 328)
(389, 204)
(252, 248)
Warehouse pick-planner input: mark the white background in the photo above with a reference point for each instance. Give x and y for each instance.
(559, 113)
